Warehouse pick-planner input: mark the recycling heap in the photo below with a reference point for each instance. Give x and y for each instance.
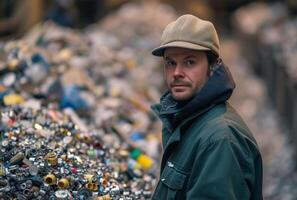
(272, 31)
(268, 32)
(273, 28)
(75, 117)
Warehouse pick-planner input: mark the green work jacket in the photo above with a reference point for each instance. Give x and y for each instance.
(210, 156)
(209, 152)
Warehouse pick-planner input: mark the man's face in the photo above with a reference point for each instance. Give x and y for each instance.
(186, 71)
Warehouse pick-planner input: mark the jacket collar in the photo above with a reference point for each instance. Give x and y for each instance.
(175, 135)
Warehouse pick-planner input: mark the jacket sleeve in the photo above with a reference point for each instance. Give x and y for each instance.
(222, 170)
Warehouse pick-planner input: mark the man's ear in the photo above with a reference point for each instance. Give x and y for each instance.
(215, 65)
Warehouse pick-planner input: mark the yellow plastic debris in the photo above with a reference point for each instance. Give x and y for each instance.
(145, 161)
(13, 99)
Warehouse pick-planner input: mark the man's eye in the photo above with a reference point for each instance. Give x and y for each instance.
(190, 62)
(169, 63)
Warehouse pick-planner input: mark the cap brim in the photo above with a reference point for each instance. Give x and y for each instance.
(160, 50)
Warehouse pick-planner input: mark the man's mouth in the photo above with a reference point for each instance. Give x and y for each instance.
(180, 85)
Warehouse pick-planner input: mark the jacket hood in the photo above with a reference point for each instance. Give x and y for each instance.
(217, 89)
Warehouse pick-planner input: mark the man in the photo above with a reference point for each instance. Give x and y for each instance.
(209, 152)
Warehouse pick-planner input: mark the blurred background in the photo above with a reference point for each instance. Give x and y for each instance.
(113, 38)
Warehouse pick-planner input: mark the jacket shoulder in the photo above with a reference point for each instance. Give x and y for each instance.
(223, 122)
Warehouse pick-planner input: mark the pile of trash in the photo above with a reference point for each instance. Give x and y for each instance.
(75, 108)
(271, 33)
(268, 35)
(274, 28)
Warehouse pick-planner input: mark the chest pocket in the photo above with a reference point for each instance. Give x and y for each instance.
(171, 183)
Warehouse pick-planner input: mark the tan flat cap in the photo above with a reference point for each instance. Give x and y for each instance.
(189, 32)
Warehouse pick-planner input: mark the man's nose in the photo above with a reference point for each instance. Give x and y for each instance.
(178, 71)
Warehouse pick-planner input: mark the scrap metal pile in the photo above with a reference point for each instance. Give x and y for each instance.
(75, 117)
